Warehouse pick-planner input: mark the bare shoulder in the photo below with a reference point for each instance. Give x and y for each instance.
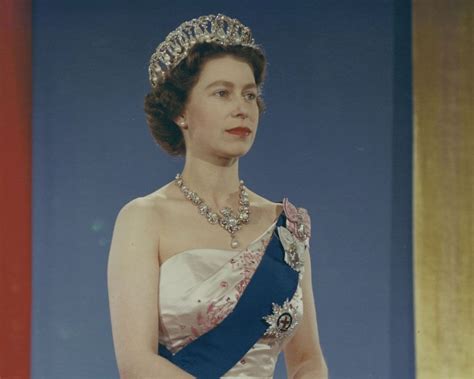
(140, 206)
(138, 214)
(267, 206)
(149, 206)
(137, 223)
(158, 203)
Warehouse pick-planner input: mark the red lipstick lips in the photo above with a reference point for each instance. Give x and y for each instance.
(239, 131)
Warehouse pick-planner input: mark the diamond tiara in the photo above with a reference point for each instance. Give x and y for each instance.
(211, 28)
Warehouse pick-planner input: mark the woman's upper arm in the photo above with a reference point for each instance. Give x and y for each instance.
(304, 347)
(132, 278)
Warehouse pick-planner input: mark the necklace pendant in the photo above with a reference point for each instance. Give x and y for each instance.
(234, 243)
(227, 219)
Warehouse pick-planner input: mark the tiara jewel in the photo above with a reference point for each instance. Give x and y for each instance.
(222, 29)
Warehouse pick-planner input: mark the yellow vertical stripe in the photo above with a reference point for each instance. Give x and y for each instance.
(443, 85)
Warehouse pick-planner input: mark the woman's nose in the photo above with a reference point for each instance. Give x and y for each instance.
(241, 113)
(240, 108)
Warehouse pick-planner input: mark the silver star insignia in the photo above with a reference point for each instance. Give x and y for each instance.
(282, 321)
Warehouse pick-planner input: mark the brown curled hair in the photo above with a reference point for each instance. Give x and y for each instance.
(167, 101)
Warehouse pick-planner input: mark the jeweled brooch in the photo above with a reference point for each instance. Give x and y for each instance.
(297, 220)
(282, 321)
(294, 249)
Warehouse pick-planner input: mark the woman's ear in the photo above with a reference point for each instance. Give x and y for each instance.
(181, 121)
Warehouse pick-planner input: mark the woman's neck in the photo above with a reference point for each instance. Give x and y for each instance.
(217, 185)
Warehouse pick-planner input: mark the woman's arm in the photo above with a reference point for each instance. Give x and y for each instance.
(133, 279)
(303, 355)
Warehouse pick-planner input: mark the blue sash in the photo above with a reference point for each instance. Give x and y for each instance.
(217, 351)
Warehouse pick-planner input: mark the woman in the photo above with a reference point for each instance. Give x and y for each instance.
(206, 267)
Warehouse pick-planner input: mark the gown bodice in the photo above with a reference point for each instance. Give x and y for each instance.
(198, 288)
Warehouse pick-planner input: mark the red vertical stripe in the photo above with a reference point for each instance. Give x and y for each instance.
(15, 188)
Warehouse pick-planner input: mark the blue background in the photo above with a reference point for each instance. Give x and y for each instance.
(336, 139)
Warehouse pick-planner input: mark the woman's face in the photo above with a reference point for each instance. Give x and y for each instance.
(224, 98)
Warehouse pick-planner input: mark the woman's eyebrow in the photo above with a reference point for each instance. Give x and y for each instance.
(226, 83)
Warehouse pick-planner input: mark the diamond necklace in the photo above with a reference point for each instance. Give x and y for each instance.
(227, 219)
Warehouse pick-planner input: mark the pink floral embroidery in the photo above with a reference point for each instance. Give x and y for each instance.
(298, 221)
(217, 310)
(195, 331)
(215, 313)
(247, 264)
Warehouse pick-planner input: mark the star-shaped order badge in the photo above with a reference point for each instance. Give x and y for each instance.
(282, 321)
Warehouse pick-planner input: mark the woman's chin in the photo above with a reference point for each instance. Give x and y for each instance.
(234, 152)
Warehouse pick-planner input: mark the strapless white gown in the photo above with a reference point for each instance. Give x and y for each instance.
(198, 288)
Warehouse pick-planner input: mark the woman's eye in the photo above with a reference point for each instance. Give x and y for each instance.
(221, 93)
(251, 96)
